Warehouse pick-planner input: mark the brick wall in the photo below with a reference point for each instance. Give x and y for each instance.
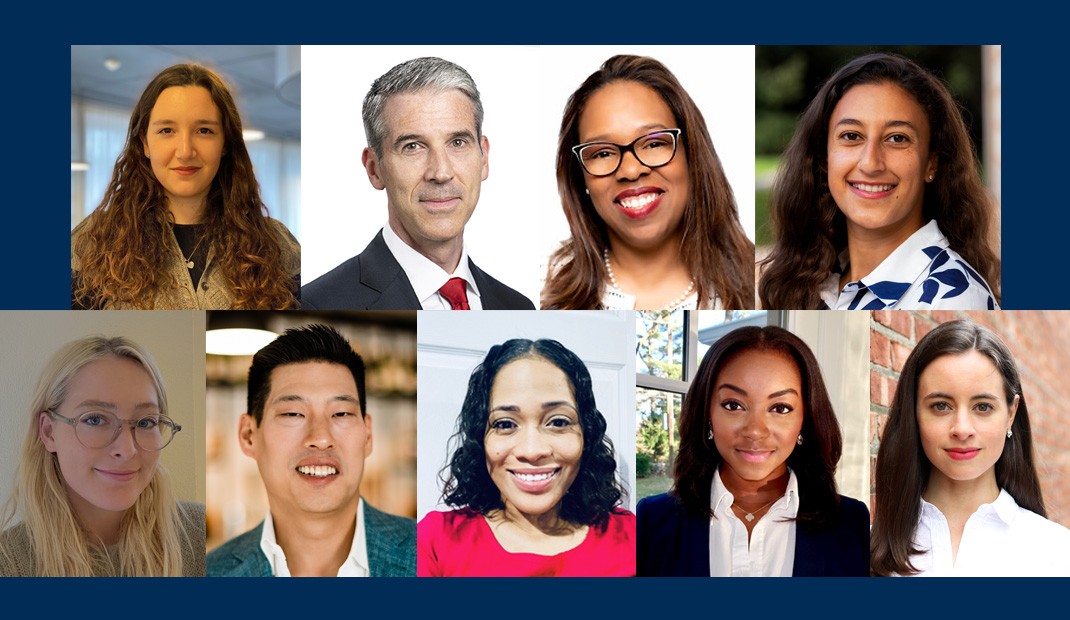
(1040, 343)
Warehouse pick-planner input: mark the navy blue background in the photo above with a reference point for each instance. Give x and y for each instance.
(36, 225)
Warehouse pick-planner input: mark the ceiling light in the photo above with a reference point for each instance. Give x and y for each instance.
(237, 341)
(252, 135)
(79, 166)
(112, 64)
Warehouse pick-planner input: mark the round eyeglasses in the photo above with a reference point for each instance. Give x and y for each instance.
(653, 150)
(98, 429)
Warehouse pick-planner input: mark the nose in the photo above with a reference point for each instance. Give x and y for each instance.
(319, 433)
(755, 427)
(532, 446)
(124, 446)
(962, 425)
(185, 149)
(630, 167)
(439, 166)
(871, 160)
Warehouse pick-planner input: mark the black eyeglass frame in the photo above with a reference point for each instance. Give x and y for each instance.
(160, 419)
(676, 134)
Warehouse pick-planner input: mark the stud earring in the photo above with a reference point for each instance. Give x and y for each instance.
(798, 441)
(588, 192)
(931, 177)
(1009, 433)
(709, 435)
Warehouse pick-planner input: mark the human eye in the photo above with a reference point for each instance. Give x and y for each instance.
(899, 139)
(656, 141)
(599, 151)
(503, 425)
(410, 148)
(205, 131)
(560, 422)
(984, 408)
(941, 407)
(782, 408)
(732, 405)
(851, 136)
(148, 422)
(95, 420)
(459, 143)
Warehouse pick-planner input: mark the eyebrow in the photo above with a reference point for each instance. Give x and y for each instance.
(645, 128)
(202, 121)
(944, 395)
(415, 137)
(742, 392)
(297, 398)
(889, 124)
(553, 404)
(100, 404)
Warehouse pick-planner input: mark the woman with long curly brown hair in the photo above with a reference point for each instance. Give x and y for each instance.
(879, 203)
(181, 225)
(654, 222)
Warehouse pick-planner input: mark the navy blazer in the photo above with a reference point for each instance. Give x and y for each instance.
(671, 542)
(391, 543)
(374, 280)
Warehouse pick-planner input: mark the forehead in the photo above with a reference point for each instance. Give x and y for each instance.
(312, 379)
(621, 108)
(429, 112)
(531, 376)
(879, 103)
(971, 371)
(185, 100)
(760, 367)
(112, 379)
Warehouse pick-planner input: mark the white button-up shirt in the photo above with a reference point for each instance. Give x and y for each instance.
(426, 277)
(922, 273)
(355, 565)
(771, 550)
(1000, 539)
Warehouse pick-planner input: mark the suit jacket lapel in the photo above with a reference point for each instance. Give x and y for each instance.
(381, 272)
(488, 289)
(382, 541)
(252, 562)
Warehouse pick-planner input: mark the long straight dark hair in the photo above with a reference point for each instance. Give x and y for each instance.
(814, 462)
(902, 468)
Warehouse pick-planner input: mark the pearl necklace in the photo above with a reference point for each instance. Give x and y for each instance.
(613, 281)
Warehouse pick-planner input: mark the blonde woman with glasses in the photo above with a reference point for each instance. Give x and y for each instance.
(93, 498)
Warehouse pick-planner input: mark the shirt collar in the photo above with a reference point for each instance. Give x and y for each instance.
(356, 564)
(424, 275)
(893, 277)
(721, 498)
(1003, 508)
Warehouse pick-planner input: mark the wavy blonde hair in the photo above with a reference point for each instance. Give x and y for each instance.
(151, 536)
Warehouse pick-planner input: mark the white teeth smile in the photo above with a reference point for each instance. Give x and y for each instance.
(317, 470)
(534, 477)
(638, 202)
(872, 188)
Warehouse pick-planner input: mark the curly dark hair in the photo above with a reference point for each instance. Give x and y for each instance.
(814, 462)
(595, 492)
(810, 231)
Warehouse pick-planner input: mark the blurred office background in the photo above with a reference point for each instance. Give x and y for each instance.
(265, 80)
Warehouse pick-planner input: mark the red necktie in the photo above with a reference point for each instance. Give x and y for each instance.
(454, 292)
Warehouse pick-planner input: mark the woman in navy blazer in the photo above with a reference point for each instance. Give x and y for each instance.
(758, 417)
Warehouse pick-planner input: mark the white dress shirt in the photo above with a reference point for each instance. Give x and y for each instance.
(771, 550)
(1000, 539)
(426, 277)
(355, 565)
(922, 273)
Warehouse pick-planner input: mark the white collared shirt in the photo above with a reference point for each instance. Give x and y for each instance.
(426, 277)
(1000, 539)
(771, 550)
(355, 565)
(615, 299)
(922, 273)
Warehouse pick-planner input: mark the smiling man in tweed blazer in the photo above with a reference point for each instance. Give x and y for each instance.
(308, 430)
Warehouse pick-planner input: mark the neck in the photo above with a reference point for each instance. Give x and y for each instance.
(958, 499)
(316, 545)
(186, 211)
(446, 254)
(656, 276)
(548, 523)
(104, 526)
(868, 248)
(753, 494)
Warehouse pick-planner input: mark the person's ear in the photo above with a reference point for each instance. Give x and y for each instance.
(930, 169)
(371, 166)
(1013, 409)
(247, 435)
(45, 426)
(485, 146)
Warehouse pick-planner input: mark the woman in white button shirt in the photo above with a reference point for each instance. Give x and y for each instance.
(957, 490)
(754, 492)
(878, 203)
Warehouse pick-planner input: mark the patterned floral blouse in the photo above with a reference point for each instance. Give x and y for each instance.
(922, 273)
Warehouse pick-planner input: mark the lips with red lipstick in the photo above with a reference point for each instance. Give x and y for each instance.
(535, 480)
(962, 454)
(638, 202)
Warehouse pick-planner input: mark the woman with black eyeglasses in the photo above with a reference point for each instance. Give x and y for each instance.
(654, 221)
(91, 493)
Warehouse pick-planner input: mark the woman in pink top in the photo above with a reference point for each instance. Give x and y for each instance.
(532, 476)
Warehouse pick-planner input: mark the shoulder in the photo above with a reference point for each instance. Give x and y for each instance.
(291, 248)
(622, 523)
(1043, 528)
(852, 509)
(230, 555)
(658, 506)
(333, 288)
(497, 295)
(76, 235)
(386, 524)
(950, 283)
(451, 520)
(191, 515)
(16, 552)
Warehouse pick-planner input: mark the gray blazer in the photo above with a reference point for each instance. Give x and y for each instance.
(391, 543)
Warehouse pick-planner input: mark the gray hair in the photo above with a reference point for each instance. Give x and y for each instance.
(411, 76)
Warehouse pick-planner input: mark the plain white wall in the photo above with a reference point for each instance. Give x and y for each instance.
(175, 339)
(451, 344)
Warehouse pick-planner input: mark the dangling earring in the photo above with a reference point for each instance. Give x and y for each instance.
(1009, 433)
(798, 441)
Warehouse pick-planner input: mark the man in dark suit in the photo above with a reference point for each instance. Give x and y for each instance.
(309, 431)
(426, 148)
